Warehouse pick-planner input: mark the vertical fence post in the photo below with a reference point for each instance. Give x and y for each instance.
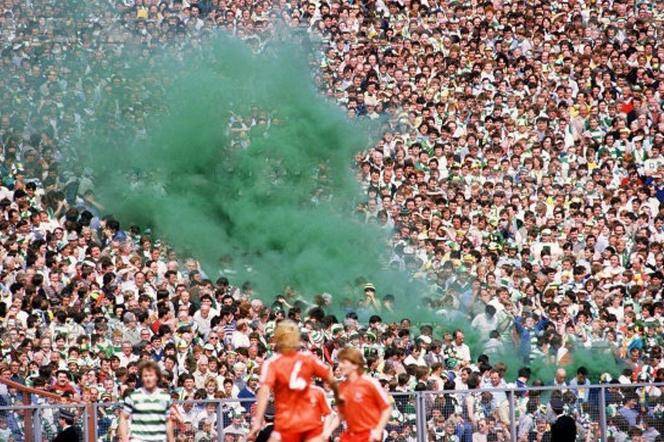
(510, 397)
(90, 422)
(95, 423)
(27, 416)
(420, 417)
(602, 414)
(85, 422)
(37, 424)
(220, 421)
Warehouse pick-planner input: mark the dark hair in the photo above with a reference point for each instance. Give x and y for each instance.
(473, 381)
(524, 372)
(149, 366)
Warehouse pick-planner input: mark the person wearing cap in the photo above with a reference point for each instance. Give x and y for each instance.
(366, 407)
(370, 296)
(563, 428)
(69, 432)
(266, 431)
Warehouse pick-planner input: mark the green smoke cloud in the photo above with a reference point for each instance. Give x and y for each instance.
(277, 198)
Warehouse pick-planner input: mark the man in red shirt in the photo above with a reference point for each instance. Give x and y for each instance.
(289, 374)
(366, 407)
(62, 385)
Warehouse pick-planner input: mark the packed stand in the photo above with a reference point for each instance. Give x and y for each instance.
(522, 174)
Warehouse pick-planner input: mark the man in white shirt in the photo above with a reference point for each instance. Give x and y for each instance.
(560, 379)
(461, 350)
(416, 357)
(126, 355)
(240, 338)
(204, 315)
(201, 373)
(485, 322)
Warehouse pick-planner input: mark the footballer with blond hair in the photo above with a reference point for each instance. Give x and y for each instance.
(289, 375)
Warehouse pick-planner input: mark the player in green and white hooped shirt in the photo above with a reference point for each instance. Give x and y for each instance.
(150, 409)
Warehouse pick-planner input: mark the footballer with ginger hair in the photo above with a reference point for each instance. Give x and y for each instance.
(365, 405)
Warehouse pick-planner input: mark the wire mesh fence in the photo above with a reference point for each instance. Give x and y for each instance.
(600, 413)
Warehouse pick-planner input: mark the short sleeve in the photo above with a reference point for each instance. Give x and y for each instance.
(128, 405)
(268, 375)
(379, 395)
(319, 370)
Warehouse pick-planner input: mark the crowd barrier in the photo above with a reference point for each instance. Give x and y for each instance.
(503, 414)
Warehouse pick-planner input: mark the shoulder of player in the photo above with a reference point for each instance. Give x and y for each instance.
(309, 357)
(367, 378)
(363, 380)
(272, 359)
(269, 364)
(306, 354)
(141, 393)
(136, 392)
(373, 382)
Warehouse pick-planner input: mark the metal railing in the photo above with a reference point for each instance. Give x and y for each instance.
(43, 425)
(515, 413)
(33, 414)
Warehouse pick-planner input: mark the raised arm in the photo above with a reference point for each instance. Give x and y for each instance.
(517, 324)
(542, 323)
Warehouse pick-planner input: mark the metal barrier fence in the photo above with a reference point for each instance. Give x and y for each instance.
(601, 413)
(32, 414)
(45, 421)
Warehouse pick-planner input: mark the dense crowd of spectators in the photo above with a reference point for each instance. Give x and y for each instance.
(522, 172)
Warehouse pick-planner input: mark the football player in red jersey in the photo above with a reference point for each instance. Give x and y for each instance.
(365, 405)
(289, 375)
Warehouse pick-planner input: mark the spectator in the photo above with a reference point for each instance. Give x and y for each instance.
(580, 380)
(564, 428)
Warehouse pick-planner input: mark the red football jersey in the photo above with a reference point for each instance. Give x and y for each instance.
(364, 401)
(319, 407)
(290, 377)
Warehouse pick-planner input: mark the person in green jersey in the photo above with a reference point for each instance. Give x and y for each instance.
(148, 413)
